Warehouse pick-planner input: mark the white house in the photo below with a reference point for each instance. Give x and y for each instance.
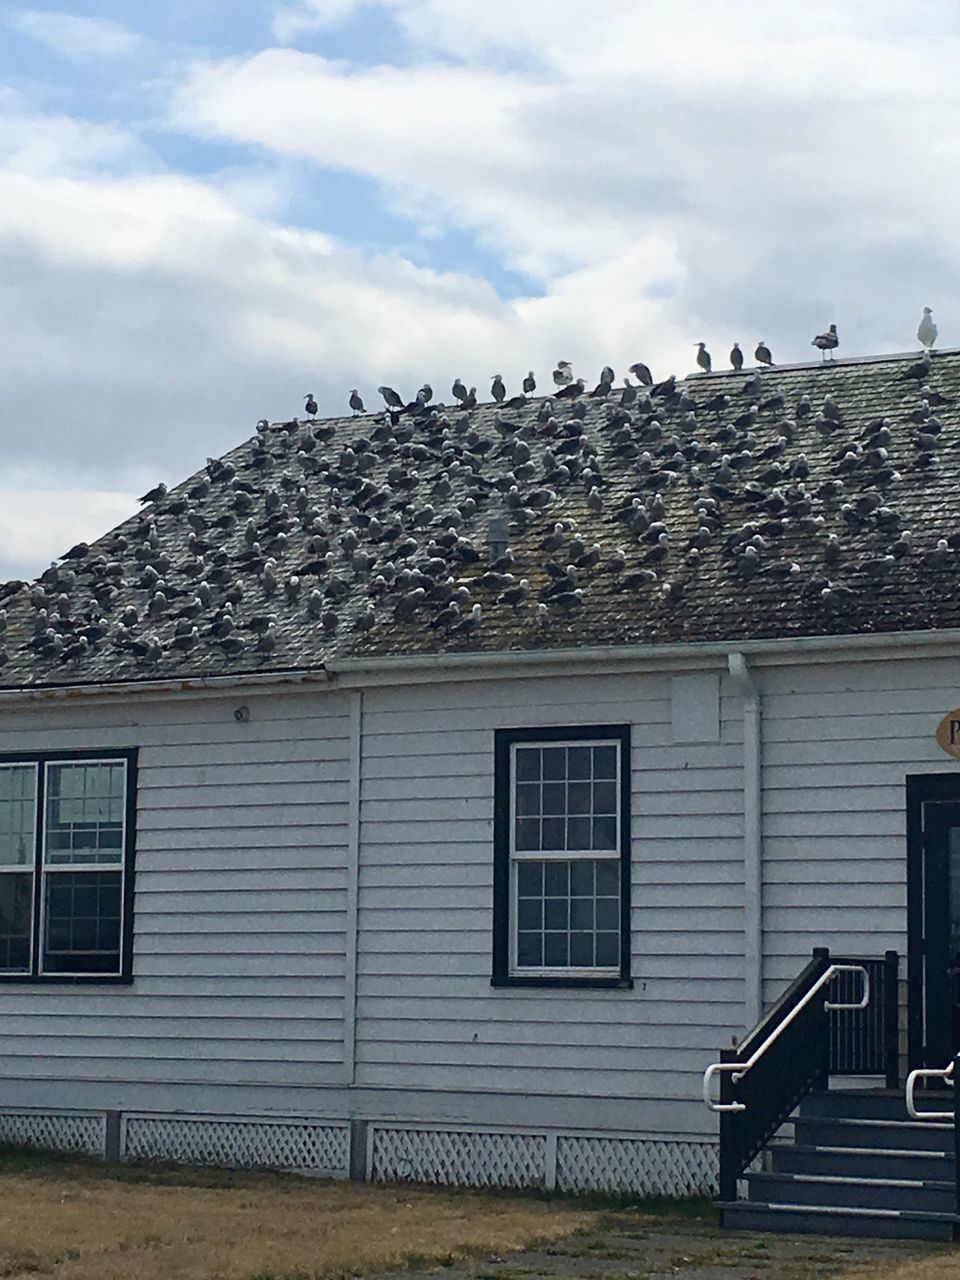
(300, 866)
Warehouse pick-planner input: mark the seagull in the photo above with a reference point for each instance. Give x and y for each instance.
(642, 373)
(703, 357)
(927, 333)
(390, 397)
(736, 357)
(529, 384)
(572, 390)
(563, 373)
(310, 408)
(155, 494)
(356, 404)
(825, 342)
(498, 390)
(762, 354)
(458, 391)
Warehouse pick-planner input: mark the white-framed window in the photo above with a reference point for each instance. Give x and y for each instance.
(66, 849)
(562, 856)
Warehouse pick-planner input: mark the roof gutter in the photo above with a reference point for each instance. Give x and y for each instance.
(197, 686)
(773, 652)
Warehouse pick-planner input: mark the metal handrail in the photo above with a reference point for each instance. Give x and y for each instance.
(739, 1069)
(927, 1073)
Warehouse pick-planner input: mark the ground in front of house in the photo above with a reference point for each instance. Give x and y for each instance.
(73, 1220)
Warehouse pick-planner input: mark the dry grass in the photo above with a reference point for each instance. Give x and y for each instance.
(942, 1265)
(77, 1222)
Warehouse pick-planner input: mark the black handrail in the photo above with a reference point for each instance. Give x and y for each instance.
(817, 1043)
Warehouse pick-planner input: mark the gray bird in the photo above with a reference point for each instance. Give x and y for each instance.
(762, 354)
(736, 357)
(563, 373)
(825, 342)
(390, 397)
(356, 404)
(529, 384)
(642, 373)
(310, 407)
(927, 332)
(155, 495)
(498, 390)
(703, 357)
(459, 391)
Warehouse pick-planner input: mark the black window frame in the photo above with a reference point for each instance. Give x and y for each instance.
(130, 756)
(504, 741)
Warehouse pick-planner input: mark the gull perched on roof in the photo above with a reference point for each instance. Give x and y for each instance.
(703, 357)
(825, 342)
(927, 332)
(736, 356)
(762, 354)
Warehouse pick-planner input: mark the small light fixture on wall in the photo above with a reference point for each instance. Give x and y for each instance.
(241, 715)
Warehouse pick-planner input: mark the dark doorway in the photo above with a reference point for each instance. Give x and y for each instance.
(933, 891)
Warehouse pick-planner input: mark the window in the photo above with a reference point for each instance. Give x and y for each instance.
(66, 866)
(562, 857)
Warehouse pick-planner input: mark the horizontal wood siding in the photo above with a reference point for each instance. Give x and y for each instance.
(428, 1017)
(840, 740)
(240, 901)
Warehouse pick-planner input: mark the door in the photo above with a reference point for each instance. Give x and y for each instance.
(941, 931)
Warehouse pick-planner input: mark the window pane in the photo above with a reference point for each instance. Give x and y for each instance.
(85, 813)
(604, 833)
(608, 878)
(556, 879)
(608, 949)
(529, 913)
(581, 913)
(604, 797)
(530, 949)
(579, 763)
(578, 833)
(556, 950)
(555, 763)
(530, 879)
(528, 764)
(608, 913)
(581, 878)
(556, 914)
(604, 762)
(16, 909)
(553, 833)
(578, 797)
(17, 807)
(554, 797)
(528, 833)
(581, 950)
(82, 922)
(528, 799)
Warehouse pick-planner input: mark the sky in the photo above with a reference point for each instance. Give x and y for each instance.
(209, 209)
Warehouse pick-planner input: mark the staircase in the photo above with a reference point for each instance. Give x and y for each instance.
(857, 1166)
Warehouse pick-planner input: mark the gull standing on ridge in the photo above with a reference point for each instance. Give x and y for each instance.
(825, 342)
(642, 373)
(736, 357)
(703, 357)
(390, 397)
(529, 384)
(927, 333)
(356, 404)
(563, 373)
(311, 408)
(458, 390)
(498, 390)
(762, 354)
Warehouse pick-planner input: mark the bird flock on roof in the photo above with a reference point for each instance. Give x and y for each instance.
(435, 518)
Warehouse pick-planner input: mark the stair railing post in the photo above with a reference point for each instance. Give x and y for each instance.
(956, 1131)
(729, 1153)
(891, 1018)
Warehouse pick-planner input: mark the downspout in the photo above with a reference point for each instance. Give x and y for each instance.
(353, 892)
(752, 839)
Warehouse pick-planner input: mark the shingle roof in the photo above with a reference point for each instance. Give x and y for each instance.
(809, 502)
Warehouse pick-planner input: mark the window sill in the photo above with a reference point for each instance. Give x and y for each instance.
(67, 980)
(589, 984)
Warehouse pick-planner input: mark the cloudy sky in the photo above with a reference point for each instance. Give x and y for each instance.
(210, 208)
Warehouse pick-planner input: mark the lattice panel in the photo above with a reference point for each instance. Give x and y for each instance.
(54, 1131)
(240, 1144)
(644, 1167)
(460, 1158)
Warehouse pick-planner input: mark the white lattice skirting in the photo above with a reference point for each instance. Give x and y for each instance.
(55, 1131)
(239, 1143)
(487, 1158)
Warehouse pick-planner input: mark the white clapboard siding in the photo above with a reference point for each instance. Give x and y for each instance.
(241, 900)
(840, 740)
(428, 1017)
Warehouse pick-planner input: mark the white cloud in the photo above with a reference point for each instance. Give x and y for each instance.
(38, 525)
(73, 36)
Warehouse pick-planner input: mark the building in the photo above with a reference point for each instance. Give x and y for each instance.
(305, 867)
